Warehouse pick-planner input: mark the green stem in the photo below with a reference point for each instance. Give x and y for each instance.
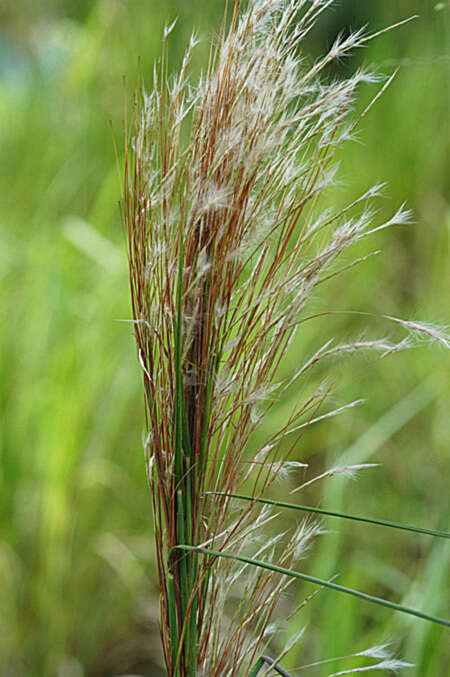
(173, 626)
(178, 460)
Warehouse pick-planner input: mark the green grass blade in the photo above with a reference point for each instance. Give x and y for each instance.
(257, 668)
(334, 513)
(190, 571)
(183, 483)
(318, 581)
(173, 626)
(182, 564)
(192, 639)
(274, 666)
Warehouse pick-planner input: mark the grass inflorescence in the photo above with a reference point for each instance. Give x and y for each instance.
(227, 246)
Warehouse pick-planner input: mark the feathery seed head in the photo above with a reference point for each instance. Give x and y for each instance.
(225, 251)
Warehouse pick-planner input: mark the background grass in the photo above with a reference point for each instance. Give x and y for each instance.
(78, 592)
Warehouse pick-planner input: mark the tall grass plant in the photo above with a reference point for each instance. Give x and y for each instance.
(227, 245)
(76, 556)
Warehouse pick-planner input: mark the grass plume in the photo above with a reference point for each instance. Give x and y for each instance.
(226, 249)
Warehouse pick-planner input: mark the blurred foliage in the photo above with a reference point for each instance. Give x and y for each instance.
(76, 557)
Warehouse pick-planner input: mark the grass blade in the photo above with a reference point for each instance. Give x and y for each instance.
(334, 513)
(172, 612)
(275, 666)
(318, 581)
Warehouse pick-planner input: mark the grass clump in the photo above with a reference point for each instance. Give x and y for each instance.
(227, 245)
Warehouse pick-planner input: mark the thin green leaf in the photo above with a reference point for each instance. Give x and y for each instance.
(182, 563)
(173, 626)
(333, 513)
(275, 666)
(317, 581)
(257, 668)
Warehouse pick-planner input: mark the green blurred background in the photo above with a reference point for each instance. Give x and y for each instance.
(78, 592)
